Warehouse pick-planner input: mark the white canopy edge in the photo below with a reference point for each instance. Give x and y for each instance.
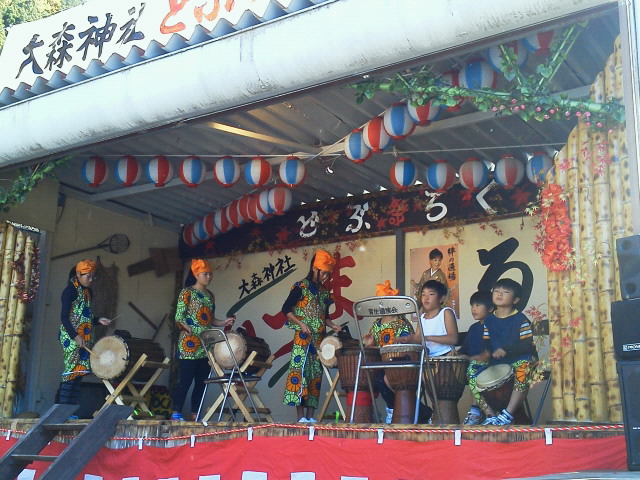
(331, 41)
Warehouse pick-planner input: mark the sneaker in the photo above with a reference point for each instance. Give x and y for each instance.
(503, 418)
(177, 417)
(303, 420)
(489, 421)
(389, 417)
(74, 417)
(311, 420)
(474, 416)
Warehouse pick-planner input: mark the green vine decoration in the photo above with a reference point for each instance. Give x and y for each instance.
(28, 178)
(528, 96)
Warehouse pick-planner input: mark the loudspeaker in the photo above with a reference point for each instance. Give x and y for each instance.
(628, 249)
(629, 376)
(625, 323)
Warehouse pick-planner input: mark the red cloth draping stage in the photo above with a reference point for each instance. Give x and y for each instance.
(325, 458)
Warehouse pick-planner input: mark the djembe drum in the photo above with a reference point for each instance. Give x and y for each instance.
(495, 384)
(403, 380)
(348, 367)
(114, 356)
(327, 353)
(242, 344)
(450, 377)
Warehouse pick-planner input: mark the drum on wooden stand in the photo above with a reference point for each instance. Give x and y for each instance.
(115, 355)
(242, 344)
(403, 380)
(450, 377)
(495, 384)
(348, 367)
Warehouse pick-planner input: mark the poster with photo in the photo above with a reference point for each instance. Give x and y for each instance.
(436, 263)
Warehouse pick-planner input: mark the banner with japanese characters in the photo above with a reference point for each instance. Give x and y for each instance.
(98, 29)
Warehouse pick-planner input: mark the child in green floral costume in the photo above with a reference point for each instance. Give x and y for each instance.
(307, 311)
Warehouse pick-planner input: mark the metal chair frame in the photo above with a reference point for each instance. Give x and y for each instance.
(392, 305)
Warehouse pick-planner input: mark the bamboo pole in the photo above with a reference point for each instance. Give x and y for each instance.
(555, 342)
(5, 275)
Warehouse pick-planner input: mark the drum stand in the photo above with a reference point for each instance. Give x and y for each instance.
(333, 383)
(136, 397)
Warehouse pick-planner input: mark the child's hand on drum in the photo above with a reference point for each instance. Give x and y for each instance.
(499, 353)
(229, 321)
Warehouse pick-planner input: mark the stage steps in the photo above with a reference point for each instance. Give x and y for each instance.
(82, 448)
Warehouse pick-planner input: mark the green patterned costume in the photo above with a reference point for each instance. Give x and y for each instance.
(76, 359)
(194, 308)
(305, 372)
(386, 333)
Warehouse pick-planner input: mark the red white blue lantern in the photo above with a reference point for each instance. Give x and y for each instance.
(539, 43)
(199, 230)
(95, 171)
(233, 214)
(474, 174)
(292, 172)
(254, 212)
(208, 222)
(226, 171)
(403, 173)
(509, 171)
(220, 220)
(188, 235)
(159, 170)
(263, 203)
(494, 55)
(280, 200)
(128, 170)
(423, 114)
(192, 171)
(355, 148)
(243, 208)
(538, 166)
(477, 74)
(397, 121)
(441, 175)
(257, 172)
(451, 78)
(375, 136)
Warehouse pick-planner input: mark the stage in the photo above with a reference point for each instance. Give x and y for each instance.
(164, 450)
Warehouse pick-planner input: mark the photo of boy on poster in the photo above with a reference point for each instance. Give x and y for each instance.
(426, 264)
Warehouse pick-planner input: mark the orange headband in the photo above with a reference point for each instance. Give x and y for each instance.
(384, 289)
(86, 266)
(199, 266)
(324, 261)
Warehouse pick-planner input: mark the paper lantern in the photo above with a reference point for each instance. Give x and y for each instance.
(280, 199)
(494, 55)
(441, 175)
(220, 220)
(257, 172)
(254, 211)
(292, 172)
(243, 208)
(226, 171)
(199, 230)
(159, 170)
(423, 114)
(403, 173)
(209, 224)
(263, 203)
(539, 43)
(188, 236)
(233, 214)
(474, 174)
(538, 166)
(397, 122)
(128, 170)
(509, 171)
(477, 74)
(451, 78)
(375, 136)
(355, 148)
(95, 171)
(192, 171)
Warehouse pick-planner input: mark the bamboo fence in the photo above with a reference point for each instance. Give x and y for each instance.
(593, 170)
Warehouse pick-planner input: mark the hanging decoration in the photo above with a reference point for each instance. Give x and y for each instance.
(209, 225)
(159, 170)
(292, 171)
(226, 171)
(95, 171)
(474, 174)
(192, 171)
(26, 180)
(450, 78)
(375, 136)
(263, 203)
(441, 175)
(540, 43)
(397, 122)
(354, 147)
(128, 170)
(243, 208)
(220, 220)
(538, 166)
(256, 214)
(494, 55)
(509, 171)
(199, 231)
(257, 172)
(280, 200)
(233, 214)
(403, 173)
(188, 235)
(477, 74)
(424, 114)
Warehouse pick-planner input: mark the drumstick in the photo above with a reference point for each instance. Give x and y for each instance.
(89, 350)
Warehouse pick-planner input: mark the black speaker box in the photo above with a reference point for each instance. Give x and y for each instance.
(625, 322)
(628, 249)
(629, 375)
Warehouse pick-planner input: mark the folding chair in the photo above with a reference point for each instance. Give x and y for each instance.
(396, 305)
(234, 383)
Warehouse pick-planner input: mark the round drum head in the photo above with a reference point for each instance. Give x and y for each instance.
(400, 348)
(328, 348)
(238, 346)
(110, 359)
(494, 376)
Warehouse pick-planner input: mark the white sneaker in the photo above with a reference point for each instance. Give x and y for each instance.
(303, 420)
(389, 417)
(311, 420)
